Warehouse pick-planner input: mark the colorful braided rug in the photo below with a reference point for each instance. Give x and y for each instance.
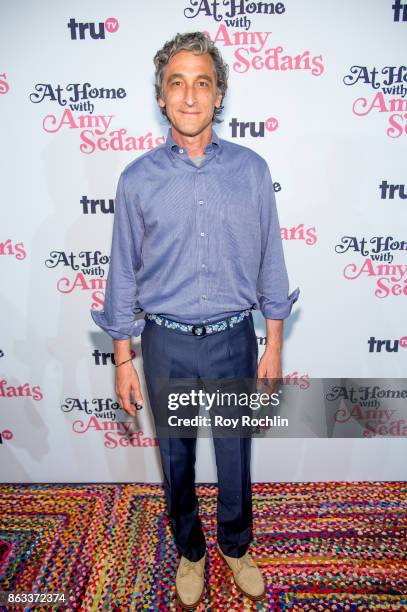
(321, 546)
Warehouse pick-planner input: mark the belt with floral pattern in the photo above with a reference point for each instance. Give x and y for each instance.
(200, 330)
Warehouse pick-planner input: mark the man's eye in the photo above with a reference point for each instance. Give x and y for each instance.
(202, 83)
(176, 83)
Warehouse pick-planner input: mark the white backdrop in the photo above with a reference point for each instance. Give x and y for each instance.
(324, 85)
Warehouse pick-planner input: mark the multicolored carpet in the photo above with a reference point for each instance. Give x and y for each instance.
(322, 546)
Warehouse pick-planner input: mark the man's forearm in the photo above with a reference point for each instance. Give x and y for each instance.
(274, 331)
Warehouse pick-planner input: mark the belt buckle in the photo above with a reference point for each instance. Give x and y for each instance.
(201, 327)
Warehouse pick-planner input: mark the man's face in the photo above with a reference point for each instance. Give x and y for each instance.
(189, 92)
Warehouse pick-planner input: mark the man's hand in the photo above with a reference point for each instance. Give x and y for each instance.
(269, 375)
(269, 369)
(127, 382)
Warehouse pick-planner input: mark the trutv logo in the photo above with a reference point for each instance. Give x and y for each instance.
(79, 30)
(390, 346)
(5, 435)
(241, 129)
(399, 11)
(389, 191)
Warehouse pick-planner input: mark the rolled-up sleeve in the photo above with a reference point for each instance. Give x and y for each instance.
(272, 283)
(118, 316)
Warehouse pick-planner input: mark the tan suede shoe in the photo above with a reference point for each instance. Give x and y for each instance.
(247, 575)
(189, 582)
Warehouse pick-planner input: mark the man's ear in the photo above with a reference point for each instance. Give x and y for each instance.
(161, 102)
(218, 100)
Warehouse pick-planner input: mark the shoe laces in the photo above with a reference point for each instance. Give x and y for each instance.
(241, 562)
(188, 567)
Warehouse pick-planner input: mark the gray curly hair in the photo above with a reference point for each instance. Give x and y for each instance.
(199, 43)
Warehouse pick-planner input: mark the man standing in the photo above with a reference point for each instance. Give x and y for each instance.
(196, 244)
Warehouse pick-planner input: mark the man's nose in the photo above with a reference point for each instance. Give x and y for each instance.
(190, 95)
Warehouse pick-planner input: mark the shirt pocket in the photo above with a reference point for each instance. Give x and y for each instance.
(241, 218)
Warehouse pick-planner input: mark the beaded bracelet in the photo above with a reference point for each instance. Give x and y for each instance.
(117, 366)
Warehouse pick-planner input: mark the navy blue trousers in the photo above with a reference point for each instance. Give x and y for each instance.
(232, 353)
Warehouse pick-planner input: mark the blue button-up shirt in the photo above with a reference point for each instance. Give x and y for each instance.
(194, 244)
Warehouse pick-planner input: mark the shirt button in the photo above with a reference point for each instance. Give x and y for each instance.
(203, 266)
(181, 150)
(204, 297)
(200, 202)
(202, 234)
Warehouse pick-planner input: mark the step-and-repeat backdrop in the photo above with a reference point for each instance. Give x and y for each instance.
(319, 89)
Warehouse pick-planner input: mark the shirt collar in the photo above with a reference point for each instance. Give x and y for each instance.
(173, 148)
